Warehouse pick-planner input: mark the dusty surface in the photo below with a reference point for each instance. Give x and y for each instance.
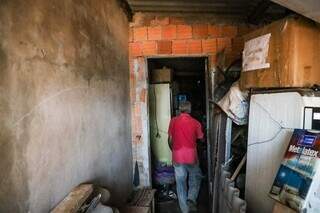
(64, 101)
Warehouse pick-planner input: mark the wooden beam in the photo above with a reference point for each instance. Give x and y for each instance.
(309, 8)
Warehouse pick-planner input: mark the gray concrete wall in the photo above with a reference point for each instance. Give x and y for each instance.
(64, 101)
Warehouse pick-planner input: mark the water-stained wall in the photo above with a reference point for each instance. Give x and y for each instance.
(64, 101)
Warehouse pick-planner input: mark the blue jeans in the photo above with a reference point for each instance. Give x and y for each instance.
(195, 175)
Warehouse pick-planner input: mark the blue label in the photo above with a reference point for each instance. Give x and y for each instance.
(307, 140)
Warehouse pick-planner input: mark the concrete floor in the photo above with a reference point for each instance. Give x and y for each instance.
(173, 206)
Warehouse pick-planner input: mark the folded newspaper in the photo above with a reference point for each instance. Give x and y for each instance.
(297, 183)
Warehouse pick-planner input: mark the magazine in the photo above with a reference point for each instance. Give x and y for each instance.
(297, 183)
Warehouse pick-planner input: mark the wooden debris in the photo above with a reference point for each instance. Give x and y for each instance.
(235, 174)
(74, 200)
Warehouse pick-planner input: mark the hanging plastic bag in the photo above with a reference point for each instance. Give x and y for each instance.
(235, 104)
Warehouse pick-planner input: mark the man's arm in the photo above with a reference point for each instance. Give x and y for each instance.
(170, 142)
(200, 135)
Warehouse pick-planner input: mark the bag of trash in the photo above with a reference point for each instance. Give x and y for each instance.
(163, 174)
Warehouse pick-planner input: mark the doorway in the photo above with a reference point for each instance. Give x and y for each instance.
(172, 81)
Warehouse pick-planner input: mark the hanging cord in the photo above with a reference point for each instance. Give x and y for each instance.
(155, 111)
(280, 126)
(227, 163)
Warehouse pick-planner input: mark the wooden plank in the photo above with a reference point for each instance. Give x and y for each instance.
(74, 199)
(235, 174)
(143, 198)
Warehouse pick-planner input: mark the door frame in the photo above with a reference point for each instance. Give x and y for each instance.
(209, 113)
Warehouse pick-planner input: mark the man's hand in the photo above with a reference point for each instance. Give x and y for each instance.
(202, 140)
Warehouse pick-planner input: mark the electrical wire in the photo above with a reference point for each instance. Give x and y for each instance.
(155, 111)
(280, 126)
(229, 161)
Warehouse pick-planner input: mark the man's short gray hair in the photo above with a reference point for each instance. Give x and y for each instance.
(185, 107)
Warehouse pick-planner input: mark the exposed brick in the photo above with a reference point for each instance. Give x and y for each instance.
(141, 20)
(141, 74)
(140, 33)
(132, 81)
(177, 20)
(164, 47)
(132, 92)
(135, 49)
(184, 31)
(212, 60)
(229, 31)
(224, 44)
(169, 32)
(209, 46)
(154, 33)
(149, 48)
(179, 47)
(194, 46)
(143, 95)
(214, 31)
(200, 31)
(160, 21)
(130, 34)
(131, 68)
(137, 109)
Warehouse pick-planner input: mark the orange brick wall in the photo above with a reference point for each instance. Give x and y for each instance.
(171, 36)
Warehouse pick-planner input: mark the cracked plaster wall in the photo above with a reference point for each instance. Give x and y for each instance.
(64, 101)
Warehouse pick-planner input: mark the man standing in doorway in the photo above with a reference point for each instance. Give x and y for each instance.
(183, 134)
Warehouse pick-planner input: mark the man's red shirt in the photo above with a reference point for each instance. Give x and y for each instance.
(184, 131)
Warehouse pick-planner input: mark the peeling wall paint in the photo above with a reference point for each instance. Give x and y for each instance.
(141, 145)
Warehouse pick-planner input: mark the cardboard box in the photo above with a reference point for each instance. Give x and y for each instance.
(293, 55)
(142, 202)
(163, 75)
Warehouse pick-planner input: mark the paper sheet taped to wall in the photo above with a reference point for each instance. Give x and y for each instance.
(255, 53)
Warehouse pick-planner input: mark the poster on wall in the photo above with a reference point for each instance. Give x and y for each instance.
(297, 183)
(255, 53)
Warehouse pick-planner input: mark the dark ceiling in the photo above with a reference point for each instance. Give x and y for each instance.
(252, 11)
(187, 67)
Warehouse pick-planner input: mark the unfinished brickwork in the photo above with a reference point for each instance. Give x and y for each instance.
(169, 36)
